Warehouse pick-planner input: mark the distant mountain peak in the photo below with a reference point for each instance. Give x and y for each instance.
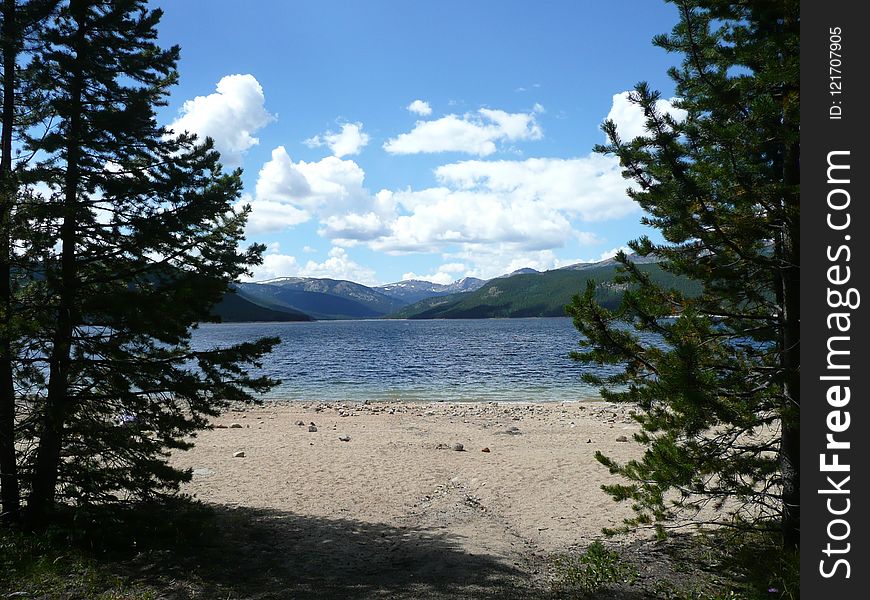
(523, 271)
(278, 280)
(635, 258)
(413, 290)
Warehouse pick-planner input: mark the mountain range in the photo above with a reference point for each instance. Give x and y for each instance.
(522, 293)
(413, 290)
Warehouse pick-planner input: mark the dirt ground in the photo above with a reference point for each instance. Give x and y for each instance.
(378, 501)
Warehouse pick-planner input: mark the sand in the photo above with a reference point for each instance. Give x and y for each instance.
(398, 487)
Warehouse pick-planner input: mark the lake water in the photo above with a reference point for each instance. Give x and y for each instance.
(426, 360)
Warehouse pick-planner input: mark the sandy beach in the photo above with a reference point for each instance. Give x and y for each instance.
(380, 491)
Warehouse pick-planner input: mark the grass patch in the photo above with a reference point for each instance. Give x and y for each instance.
(707, 565)
(45, 566)
(744, 565)
(81, 555)
(590, 572)
(759, 565)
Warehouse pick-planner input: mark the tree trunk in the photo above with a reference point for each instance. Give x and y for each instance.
(57, 407)
(9, 489)
(789, 452)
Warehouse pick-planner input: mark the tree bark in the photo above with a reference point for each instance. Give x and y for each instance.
(9, 487)
(789, 452)
(57, 407)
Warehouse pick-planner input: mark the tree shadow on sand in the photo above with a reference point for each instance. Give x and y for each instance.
(188, 550)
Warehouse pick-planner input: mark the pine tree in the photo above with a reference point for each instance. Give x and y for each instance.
(140, 241)
(20, 23)
(716, 375)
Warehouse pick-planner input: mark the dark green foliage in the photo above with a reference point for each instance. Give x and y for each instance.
(534, 295)
(132, 247)
(592, 571)
(720, 400)
(23, 107)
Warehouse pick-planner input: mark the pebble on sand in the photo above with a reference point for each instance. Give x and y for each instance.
(622, 438)
(344, 438)
(312, 428)
(235, 425)
(239, 454)
(458, 447)
(484, 450)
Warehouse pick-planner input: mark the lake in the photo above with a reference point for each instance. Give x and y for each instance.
(421, 360)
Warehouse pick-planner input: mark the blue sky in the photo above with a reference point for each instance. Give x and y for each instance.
(386, 140)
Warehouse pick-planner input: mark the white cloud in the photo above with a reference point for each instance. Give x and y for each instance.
(492, 260)
(591, 187)
(420, 107)
(452, 268)
(274, 265)
(587, 238)
(279, 179)
(613, 252)
(445, 274)
(437, 277)
(288, 193)
(271, 216)
(338, 265)
(230, 116)
(629, 117)
(436, 218)
(485, 217)
(497, 216)
(527, 204)
(350, 140)
(475, 133)
(354, 226)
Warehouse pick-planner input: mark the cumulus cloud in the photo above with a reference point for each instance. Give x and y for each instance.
(350, 140)
(354, 226)
(271, 216)
(492, 260)
(279, 179)
(338, 265)
(274, 265)
(613, 252)
(487, 217)
(590, 187)
(439, 217)
(288, 193)
(231, 115)
(474, 133)
(528, 204)
(629, 117)
(420, 107)
(445, 274)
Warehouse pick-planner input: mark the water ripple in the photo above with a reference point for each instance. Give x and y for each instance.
(449, 360)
